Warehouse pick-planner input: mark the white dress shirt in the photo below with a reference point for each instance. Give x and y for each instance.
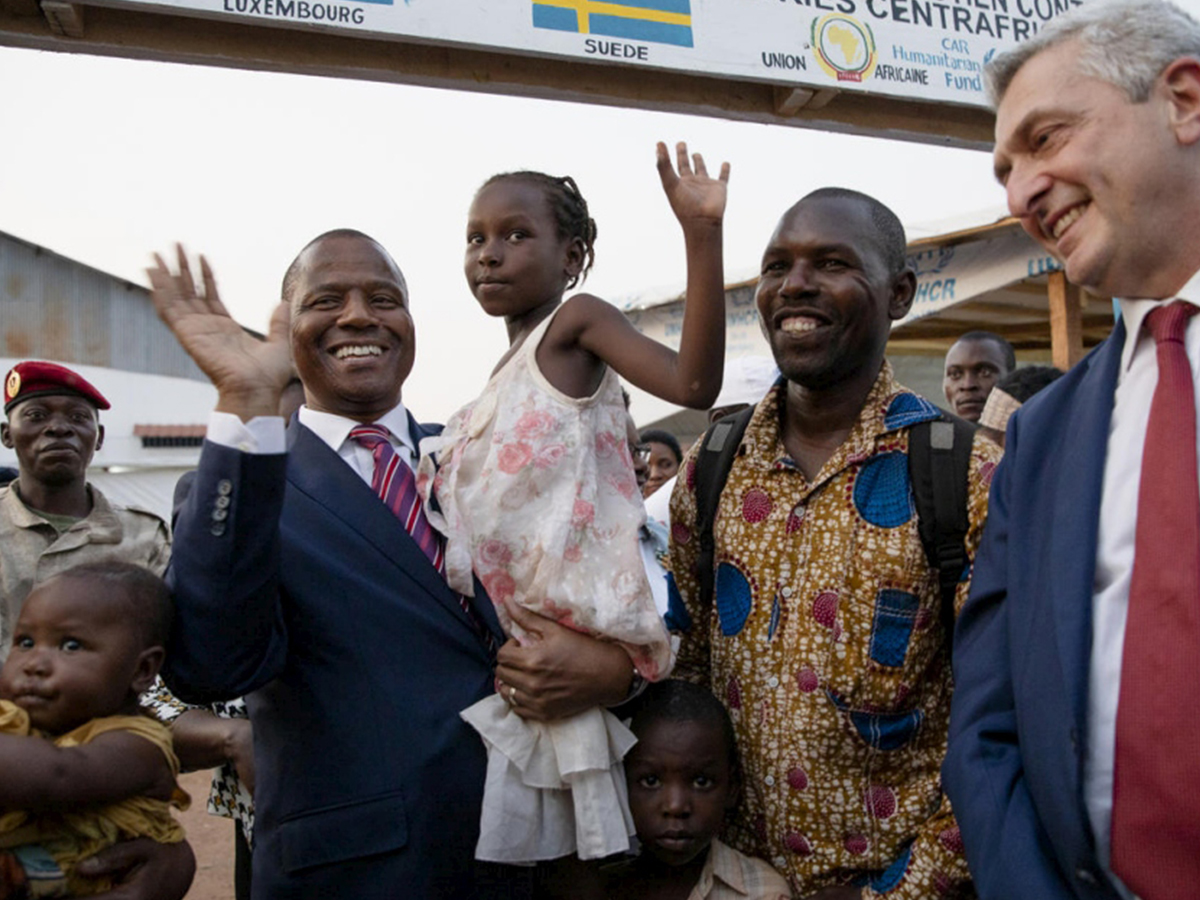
(1136, 381)
(265, 434)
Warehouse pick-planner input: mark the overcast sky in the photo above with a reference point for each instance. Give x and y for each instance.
(107, 160)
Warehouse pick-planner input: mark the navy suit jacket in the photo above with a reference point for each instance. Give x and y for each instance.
(296, 587)
(1018, 729)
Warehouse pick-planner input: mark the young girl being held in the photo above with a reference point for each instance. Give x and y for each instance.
(83, 768)
(533, 485)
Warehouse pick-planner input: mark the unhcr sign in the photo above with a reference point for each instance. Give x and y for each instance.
(954, 272)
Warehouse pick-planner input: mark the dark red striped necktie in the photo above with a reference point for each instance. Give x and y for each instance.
(396, 485)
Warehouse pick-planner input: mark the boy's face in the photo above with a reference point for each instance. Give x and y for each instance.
(681, 784)
(75, 656)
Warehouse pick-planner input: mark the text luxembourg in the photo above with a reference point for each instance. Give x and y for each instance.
(297, 9)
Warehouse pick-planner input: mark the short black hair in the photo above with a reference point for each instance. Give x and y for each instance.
(151, 609)
(293, 271)
(892, 242)
(674, 700)
(658, 436)
(1006, 349)
(1023, 383)
(567, 205)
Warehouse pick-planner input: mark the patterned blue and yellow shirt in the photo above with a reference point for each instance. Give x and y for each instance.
(827, 646)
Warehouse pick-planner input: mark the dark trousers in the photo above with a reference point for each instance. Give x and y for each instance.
(241, 863)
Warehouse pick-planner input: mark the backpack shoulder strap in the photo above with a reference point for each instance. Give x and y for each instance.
(718, 447)
(939, 460)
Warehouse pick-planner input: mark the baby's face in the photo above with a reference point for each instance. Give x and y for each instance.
(680, 787)
(74, 655)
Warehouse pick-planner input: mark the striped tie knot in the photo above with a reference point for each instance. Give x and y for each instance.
(396, 485)
(1169, 321)
(369, 436)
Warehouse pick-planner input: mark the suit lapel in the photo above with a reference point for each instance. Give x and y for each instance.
(319, 473)
(1077, 500)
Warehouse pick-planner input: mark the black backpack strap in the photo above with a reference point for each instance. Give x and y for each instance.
(939, 460)
(718, 447)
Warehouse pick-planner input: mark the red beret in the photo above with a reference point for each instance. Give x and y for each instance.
(40, 379)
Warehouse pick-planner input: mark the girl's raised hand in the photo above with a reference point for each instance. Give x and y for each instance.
(692, 194)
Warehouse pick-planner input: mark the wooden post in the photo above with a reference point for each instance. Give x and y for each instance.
(1066, 321)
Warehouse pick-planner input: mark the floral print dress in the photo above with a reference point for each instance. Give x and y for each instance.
(536, 495)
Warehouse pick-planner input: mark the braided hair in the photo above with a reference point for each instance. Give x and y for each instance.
(568, 207)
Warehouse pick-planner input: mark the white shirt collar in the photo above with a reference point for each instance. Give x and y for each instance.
(1135, 309)
(334, 429)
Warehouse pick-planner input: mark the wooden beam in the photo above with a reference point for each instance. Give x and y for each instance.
(65, 19)
(789, 101)
(20, 7)
(1066, 321)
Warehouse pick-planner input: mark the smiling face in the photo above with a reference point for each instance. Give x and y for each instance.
(826, 296)
(1106, 185)
(681, 785)
(516, 261)
(972, 369)
(54, 436)
(352, 335)
(75, 655)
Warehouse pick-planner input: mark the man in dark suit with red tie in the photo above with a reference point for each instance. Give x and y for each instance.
(1074, 758)
(298, 584)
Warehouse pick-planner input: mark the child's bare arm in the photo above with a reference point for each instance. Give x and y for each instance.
(691, 377)
(39, 776)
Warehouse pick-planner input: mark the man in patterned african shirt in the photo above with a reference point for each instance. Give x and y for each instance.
(825, 638)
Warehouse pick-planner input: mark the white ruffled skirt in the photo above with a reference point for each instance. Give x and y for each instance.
(552, 788)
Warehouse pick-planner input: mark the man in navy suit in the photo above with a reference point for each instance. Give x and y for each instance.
(297, 587)
(1098, 147)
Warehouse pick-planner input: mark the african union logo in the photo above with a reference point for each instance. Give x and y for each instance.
(845, 47)
(659, 21)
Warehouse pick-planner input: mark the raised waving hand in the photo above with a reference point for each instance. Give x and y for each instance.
(249, 373)
(693, 195)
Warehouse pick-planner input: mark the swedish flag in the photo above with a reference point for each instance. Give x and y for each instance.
(658, 21)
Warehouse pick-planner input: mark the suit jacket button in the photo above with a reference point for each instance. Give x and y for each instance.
(222, 501)
(219, 514)
(217, 529)
(1086, 875)
(224, 487)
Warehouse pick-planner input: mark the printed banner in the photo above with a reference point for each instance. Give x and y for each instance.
(931, 50)
(953, 274)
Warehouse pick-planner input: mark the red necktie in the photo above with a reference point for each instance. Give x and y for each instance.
(1156, 777)
(396, 486)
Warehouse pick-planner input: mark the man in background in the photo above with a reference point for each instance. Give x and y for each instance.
(974, 363)
(50, 517)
